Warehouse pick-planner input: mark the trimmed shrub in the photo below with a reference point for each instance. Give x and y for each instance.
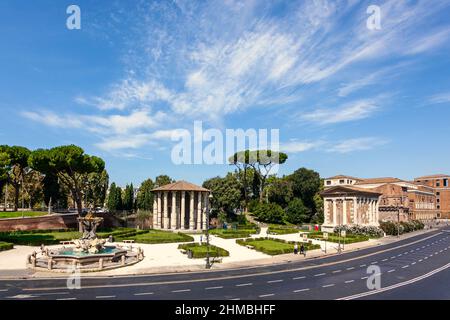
(369, 231)
(274, 246)
(200, 251)
(6, 246)
(393, 228)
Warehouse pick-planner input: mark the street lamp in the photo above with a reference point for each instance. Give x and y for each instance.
(398, 219)
(208, 212)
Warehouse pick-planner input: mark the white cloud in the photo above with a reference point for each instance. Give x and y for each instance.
(52, 119)
(300, 146)
(440, 98)
(356, 144)
(349, 112)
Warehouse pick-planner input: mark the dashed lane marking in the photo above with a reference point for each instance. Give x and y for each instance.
(301, 290)
(244, 284)
(267, 295)
(328, 285)
(181, 290)
(143, 293)
(274, 281)
(391, 270)
(349, 281)
(319, 274)
(337, 271)
(298, 278)
(214, 288)
(104, 297)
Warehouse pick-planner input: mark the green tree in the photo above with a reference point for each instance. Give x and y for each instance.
(4, 165)
(96, 187)
(70, 164)
(305, 185)
(144, 199)
(226, 193)
(269, 212)
(17, 163)
(262, 161)
(162, 180)
(279, 191)
(114, 201)
(128, 198)
(297, 212)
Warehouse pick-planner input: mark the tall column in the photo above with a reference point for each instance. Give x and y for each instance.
(334, 212)
(159, 212)
(155, 213)
(325, 211)
(344, 211)
(377, 213)
(166, 210)
(183, 210)
(191, 211)
(204, 211)
(355, 211)
(173, 213)
(199, 211)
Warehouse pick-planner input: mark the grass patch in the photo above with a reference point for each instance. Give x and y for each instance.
(6, 246)
(18, 214)
(239, 231)
(199, 251)
(274, 246)
(277, 229)
(333, 237)
(158, 236)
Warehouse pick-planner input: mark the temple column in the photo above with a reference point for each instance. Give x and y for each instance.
(155, 213)
(334, 212)
(159, 212)
(355, 211)
(204, 211)
(166, 210)
(199, 211)
(173, 213)
(191, 211)
(377, 214)
(344, 211)
(183, 210)
(325, 212)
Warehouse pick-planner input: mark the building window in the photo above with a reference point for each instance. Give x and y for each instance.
(341, 181)
(438, 183)
(438, 206)
(438, 193)
(438, 200)
(445, 182)
(328, 182)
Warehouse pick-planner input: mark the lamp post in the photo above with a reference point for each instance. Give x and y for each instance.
(208, 211)
(398, 219)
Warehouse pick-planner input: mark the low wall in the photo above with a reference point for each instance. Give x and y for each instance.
(56, 221)
(52, 222)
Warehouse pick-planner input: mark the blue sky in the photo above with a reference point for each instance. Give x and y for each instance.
(346, 99)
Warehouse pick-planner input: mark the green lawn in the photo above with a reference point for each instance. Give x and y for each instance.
(6, 246)
(273, 246)
(160, 236)
(278, 229)
(18, 214)
(333, 237)
(37, 238)
(234, 233)
(199, 251)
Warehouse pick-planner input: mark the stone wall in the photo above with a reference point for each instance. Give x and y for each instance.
(53, 222)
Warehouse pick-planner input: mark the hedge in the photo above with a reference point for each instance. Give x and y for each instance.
(282, 248)
(200, 251)
(6, 246)
(393, 228)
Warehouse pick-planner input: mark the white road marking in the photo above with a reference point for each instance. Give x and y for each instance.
(50, 293)
(404, 267)
(104, 297)
(244, 284)
(319, 274)
(274, 281)
(337, 271)
(301, 290)
(413, 263)
(363, 278)
(267, 295)
(3, 290)
(401, 284)
(328, 285)
(298, 278)
(349, 281)
(391, 270)
(214, 288)
(384, 260)
(363, 265)
(420, 260)
(67, 299)
(375, 262)
(351, 268)
(181, 290)
(143, 293)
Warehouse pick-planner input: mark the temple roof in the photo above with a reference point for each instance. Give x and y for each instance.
(181, 186)
(341, 176)
(342, 190)
(379, 180)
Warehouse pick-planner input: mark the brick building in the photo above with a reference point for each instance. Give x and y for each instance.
(398, 199)
(439, 184)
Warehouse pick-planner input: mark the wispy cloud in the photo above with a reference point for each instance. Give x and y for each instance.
(349, 112)
(357, 144)
(300, 146)
(440, 98)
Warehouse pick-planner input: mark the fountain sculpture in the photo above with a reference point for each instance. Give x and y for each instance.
(89, 253)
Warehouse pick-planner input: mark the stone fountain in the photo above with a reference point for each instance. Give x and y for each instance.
(89, 253)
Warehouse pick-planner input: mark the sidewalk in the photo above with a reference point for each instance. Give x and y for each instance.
(166, 258)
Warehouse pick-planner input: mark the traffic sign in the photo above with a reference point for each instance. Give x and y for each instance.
(325, 235)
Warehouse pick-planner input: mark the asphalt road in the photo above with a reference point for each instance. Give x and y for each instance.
(414, 268)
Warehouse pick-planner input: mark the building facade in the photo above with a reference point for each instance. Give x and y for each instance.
(439, 184)
(397, 200)
(180, 206)
(349, 205)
